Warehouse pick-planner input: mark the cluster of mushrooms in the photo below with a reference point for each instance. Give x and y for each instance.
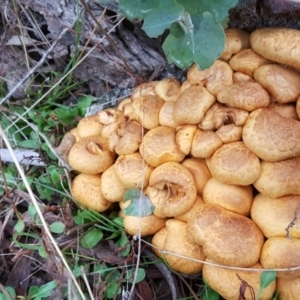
(219, 158)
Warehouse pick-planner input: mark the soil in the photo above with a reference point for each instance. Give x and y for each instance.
(125, 59)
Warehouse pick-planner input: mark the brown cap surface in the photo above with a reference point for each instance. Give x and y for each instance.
(270, 136)
(226, 237)
(234, 163)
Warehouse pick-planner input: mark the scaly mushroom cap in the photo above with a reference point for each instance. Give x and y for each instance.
(270, 136)
(144, 89)
(247, 61)
(246, 95)
(149, 224)
(230, 133)
(278, 44)
(227, 238)
(192, 105)
(127, 137)
(165, 116)
(146, 110)
(285, 110)
(279, 178)
(91, 155)
(281, 253)
(86, 189)
(184, 137)
(199, 170)
(282, 83)
(235, 198)
(236, 40)
(215, 78)
(171, 189)
(159, 146)
(111, 188)
(89, 126)
(227, 282)
(168, 89)
(288, 288)
(207, 122)
(132, 171)
(176, 241)
(158, 241)
(234, 163)
(241, 77)
(186, 216)
(229, 115)
(205, 143)
(273, 215)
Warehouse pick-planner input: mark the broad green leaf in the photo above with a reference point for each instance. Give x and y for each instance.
(266, 278)
(121, 242)
(31, 144)
(45, 290)
(140, 204)
(20, 225)
(31, 210)
(57, 227)
(219, 8)
(67, 114)
(112, 290)
(141, 274)
(203, 45)
(11, 291)
(161, 18)
(137, 9)
(42, 251)
(91, 238)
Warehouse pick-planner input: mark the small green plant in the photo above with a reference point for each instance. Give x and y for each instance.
(196, 31)
(266, 278)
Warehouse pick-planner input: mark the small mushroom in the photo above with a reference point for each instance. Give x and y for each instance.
(171, 189)
(159, 146)
(288, 288)
(132, 171)
(235, 198)
(199, 170)
(176, 241)
(111, 188)
(270, 136)
(91, 155)
(245, 95)
(275, 216)
(207, 122)
(241, 77)
(281, 253)
(236, 40)
(247, 61)
(234, 163)
(231, 284)
(184, 137)
(165, 116)
(86, 188)
(229, 115)
(168, 89)
(215, 78)
(227, 238)
(146, 110)
(281, 82)
(278, 44)
(144, 89)
(89, 126)
(205, 143)
(230, 133)
(279, 178)
(192, 105)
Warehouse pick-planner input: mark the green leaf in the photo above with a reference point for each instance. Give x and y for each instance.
(202, 45)
(20, 225)
(112, 290)
(57, 227)
(141, 274)
(91, 238)
(83, 104)
(31, 210)
(45, 290)
(161, 18)
(30, 144)
(140, 204)
(210, 294)
(42, 251)
(219, 8)
(266, 278)
(67, 114)
(121, 242)
(137, 9)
